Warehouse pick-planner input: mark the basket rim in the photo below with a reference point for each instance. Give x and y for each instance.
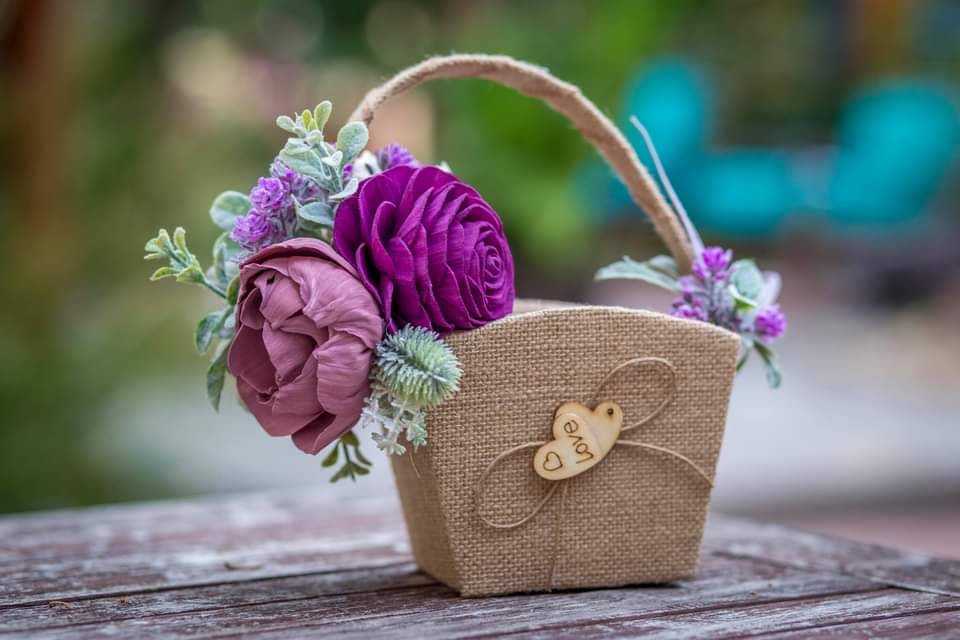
(575, 309)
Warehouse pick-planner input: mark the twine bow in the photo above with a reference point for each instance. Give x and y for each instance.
(562, 485)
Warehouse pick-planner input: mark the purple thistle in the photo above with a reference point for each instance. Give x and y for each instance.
(689, 285)
(285, 174)
(252, 231)
(395, 155)
(704, 295)
(689, 309)
(273, 217)
(713, 264)
(270, 194)
(297, 185)
(770, 323)
(392, 155)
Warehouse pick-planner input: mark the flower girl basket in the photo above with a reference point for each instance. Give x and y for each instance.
(482, 518)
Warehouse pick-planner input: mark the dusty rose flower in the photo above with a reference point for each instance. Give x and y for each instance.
(306, 330)
(431, 249)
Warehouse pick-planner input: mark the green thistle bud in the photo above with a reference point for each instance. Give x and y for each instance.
(417, 368)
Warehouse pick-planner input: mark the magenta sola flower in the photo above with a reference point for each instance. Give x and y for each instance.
(429, 248)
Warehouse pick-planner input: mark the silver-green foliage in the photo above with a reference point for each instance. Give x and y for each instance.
(747, 292)
(221, 278)
(660, 271)
(310, 155)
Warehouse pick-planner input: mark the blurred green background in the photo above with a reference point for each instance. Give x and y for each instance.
(122, 117)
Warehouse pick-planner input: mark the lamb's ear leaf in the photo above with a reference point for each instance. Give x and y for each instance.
(233, 290)
(226, 254)
(314, 217)
(321, 113)
(747, 278)
(772, 284)
(351, 140)
(227, 207)
(660, 271)
(665, 265)
(229, 326)
(180, 239)
(302, 158)
(164, 272)
(742, 302)
(217, 374)
(307, 119)
(208, 328)
(348, 190)
(287, 124)
(334, 160)
(774, 377)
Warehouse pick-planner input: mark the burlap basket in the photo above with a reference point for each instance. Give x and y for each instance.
(485, 524)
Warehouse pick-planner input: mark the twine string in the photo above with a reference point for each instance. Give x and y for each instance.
(636, 362)
(563, 485)
(481, 481)
(670, 452)
(557, 529)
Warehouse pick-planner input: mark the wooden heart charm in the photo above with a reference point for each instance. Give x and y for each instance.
(581, 439)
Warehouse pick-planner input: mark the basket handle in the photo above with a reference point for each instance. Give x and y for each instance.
(564, 98)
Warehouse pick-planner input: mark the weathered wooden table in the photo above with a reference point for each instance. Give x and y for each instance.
(291, 565)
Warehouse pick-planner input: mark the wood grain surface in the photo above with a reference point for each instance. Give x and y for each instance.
(293, 565)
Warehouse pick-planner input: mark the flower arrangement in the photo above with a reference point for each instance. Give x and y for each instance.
(734, 295)
(341, 271)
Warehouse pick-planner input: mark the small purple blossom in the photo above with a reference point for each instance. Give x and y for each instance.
(689, 309)
(704, 294)
(395, 155)
(273, 217)
(270, 194)
(689, 285)
(301, 188)
(713, 264)
(392, 155)
(285, 174)
(770, 323)
(252, 231)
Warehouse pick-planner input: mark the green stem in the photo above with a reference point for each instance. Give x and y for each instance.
(349, 462)
(212, 287)
(743, 359)
(185, 264)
